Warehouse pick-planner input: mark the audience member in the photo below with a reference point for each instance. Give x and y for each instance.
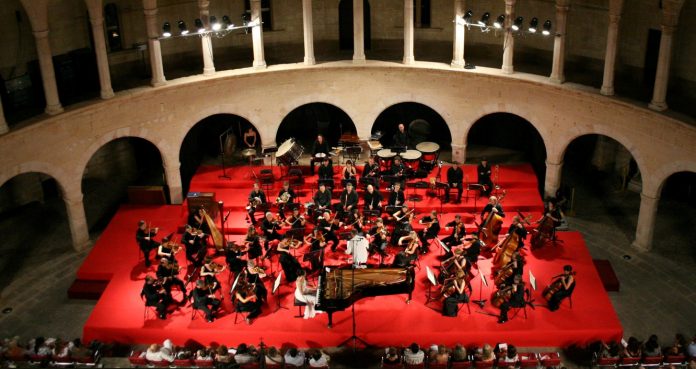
(678, 347)
(78, 351)
(391, 355)
(610, 351)
(413, 355)
(632, 349)
(222, 356)
(691, 349)
(441, 355)
(652, 347)
(319, 359)
(486, 353)
(510, 356)
(245, 354)
(459, 353)
(273, 356)
(203, 355)
(294, 358)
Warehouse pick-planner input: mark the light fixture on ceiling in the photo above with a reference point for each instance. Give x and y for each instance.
(166, 29)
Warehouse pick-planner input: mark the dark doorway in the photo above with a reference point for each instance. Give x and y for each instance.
(345, 24)
(421, 122)
(652, 52)
(307, 121)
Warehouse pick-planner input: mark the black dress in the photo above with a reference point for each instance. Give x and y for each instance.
(290, 266)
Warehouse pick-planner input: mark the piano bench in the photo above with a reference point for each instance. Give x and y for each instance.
(299, 305)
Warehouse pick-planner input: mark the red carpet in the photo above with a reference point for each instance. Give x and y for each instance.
(384, 320)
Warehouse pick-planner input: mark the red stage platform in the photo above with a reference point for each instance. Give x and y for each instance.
(384, 320)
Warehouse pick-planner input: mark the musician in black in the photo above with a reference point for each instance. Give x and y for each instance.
(155, 295)
(204, 299)
(320, 146)
(455, 179)
(398, 169)
(270, 227)
(195, 249)
(402, 223)
(397, 196)
(196, 218)
(165, 250)
(168, 274)
(326, 172)
(209, 272)
(484, 177)
(349, 174)
(295, 220)
(400, 138)
(247, 301)
(144, 237)
(355, 220)
(348, 199)
(379, 235)
(256, 198)
(432, 228)
(287, 261)
(255, 275)
(458, 232)
(252, 242)
(316, 243)
(373, 199)
(472, 249)
(286, 197)
(517, 227)
(565, 289)
(515, 265)
(492, 206)
(370, 173)
(233, 256)
(328, 226)
(516, 300)
(322, 201)
(553, 212)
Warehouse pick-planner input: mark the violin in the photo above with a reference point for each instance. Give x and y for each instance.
(216, 268)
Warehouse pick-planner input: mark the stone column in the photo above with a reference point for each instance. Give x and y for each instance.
(553, 178)
(358, 32)
(615, 9)
(173, 174)
(3, 123)
(77, 221)
(206, 43)
(96, 19)
(459, 153)
(153, 44)
(557, 74)
(408, 32)
(308, 29)
(257, 34)
(458, 43)
(670, 19)
(645, 228)
(508, 41)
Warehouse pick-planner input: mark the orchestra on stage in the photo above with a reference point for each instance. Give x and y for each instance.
(374, 223)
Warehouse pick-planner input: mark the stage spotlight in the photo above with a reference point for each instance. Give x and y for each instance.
(484, 19)
(166, 29)
(547, 28)
(199, 25)
(182, 28)
(533, 24)
(214, 24)
(518, 23)
(499, 22)
(226, 22)
(467, 17)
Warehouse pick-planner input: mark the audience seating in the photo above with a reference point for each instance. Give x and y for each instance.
(679, 360)
(484, 364)
(461, 364)
(527, 360)
(184, 363)
(137, 361)
(626, 362)
(204, 363)
(651, 361)
(550, 359)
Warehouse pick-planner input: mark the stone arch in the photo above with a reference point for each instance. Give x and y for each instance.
(437, 119)
(654, 188)
(344, 119)
(53, 171)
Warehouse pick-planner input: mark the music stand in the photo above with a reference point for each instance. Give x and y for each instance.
(481, 302)
(353, 337)
(433, 282)
(276, 287)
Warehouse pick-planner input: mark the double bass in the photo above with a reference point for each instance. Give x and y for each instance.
(490, 228)
(506, 249)
(543, 232)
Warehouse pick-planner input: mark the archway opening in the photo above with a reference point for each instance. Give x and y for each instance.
(305, 122)
(601, 180)
(211, 138)
(674, 220)
(422, 123)
(505, 138)
(34, 224)
(127, 169)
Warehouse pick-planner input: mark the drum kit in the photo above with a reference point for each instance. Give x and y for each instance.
(425, 154)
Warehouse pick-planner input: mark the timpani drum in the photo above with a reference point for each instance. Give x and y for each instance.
(289, 152)
(386, 156)
(411, 158)
(320, 155)
(430, 151)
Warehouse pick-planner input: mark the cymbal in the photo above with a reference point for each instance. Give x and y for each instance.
(248, 152)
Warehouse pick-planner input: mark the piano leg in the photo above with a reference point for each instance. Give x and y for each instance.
(330, 319)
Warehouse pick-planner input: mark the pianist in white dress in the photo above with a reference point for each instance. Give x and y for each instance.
(358, 246)
(306, 294)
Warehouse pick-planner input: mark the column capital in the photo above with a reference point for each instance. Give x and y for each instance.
(668, 30)
(40, 34)
(510, 2)
(647, 197)
(562, 5)
(548, 163)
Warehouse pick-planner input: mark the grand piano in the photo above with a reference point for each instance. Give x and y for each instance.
(338, 288)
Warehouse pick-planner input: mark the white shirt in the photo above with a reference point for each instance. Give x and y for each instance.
(358, 246)
(413, 358)
(322, 362)
(298, 360)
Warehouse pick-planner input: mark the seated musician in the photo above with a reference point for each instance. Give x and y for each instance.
(402, 223)
(408, 255)
(256, 198)
(166, 250)
(270, 227)
(252, 243)
(373, 199)
(432, 228)
(517, 227)
(306, 293)
(472, 249)
(168, 274)
(287, 261)
(195, 247)
(379, 235)
(255, 275)
(370, 173)
(397, 196)
(209, 271)
(398, 169)
(146, 243)
(286, 196)
(348, 199)
(492, 206)
(320, 146)
(205, 300)
(355, 221)
(316, 243)
(452, 265)
(296, 221)
(455, 179)
(349, 174)
(155, 295)
(484, 177)
(565, 284)
(554, 213)
(458, 232)
(358, 246)
(516, 292)
(400, 138)
(233, 256)
(250, 138)
(328, 228)
(454, 292)
(247, 301)
(514, 267)
(322, 201)
(326, 173)
(196, 218)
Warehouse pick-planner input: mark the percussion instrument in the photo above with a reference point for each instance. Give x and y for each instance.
(385, 158)
(411, 158)
(374, 147)
(430, 151)
(320, 155)
(289, 152)
(248, 152)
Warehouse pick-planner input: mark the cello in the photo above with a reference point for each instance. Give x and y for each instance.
(505, 250)
(490, 228)
(543, 232)
(555, 286)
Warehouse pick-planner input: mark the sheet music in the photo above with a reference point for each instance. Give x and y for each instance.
(532, 280)
(483, 279)
(431, 276)
(276, 284)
